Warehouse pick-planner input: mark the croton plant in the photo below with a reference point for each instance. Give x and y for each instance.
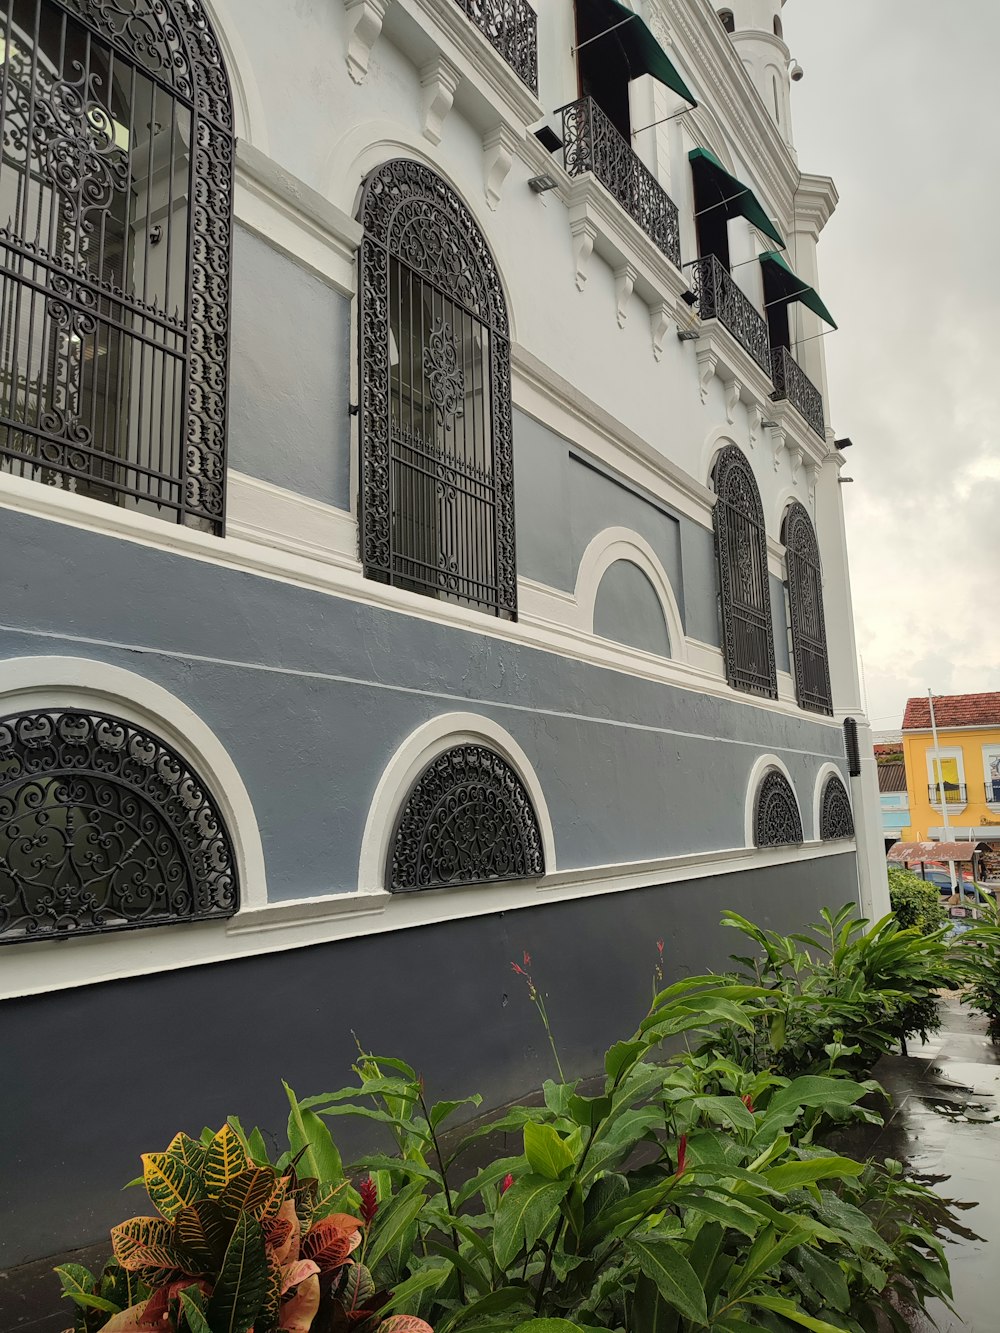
(239, 1246)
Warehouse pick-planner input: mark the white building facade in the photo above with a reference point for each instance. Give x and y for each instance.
(423, 542)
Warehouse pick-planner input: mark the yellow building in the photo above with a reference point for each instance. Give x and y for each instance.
(966, 760)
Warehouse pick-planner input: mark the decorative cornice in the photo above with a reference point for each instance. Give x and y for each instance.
(815, 199)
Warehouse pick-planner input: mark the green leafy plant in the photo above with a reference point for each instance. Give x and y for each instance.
(978, 953)
(915, 903)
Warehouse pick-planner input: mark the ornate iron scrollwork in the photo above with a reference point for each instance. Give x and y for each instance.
(104, 827)
(835, 817)
(593, 144)
(720, 298)
(468, 820)
(437, 454)
(791, 381)
(777, 822)
(114, 378)
(744, 588)
(511, 26)
(805, 604)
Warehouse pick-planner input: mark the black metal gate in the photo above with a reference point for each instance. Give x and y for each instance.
(805, 605)
(744, 588)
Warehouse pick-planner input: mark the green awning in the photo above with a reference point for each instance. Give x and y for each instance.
(781, 284)
(737, 199)
(643, 53)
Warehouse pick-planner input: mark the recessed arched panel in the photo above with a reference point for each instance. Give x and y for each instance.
(744, 586)
(116, 186)
(777, 822)
(437, 464)
(805, 604)
(627, 610)
(467, 820)
(835, 817)
(104, 827)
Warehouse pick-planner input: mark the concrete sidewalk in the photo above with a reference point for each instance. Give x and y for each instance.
(944, 1123)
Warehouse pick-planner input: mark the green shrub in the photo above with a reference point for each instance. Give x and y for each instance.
(979, 960)
(915, 903)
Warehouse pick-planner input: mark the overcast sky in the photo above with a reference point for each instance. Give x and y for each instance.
(901, 105)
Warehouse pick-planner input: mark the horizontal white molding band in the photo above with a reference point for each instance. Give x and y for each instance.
(37, 968)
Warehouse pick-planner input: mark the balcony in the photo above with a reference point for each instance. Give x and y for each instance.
(720, 298)
(993, 792)
(955, 793)
(790, 381)
(592, 144)
(511, 27)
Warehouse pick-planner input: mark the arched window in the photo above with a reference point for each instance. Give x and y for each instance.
(727, 20)
(744, 588)
(835, 817)
(116, 182)
(778, 31)
(104, 827)
(437, 467)
(805, 609)
(468, 820)
(776, 821)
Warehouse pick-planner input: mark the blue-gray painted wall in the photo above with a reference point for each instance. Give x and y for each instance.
(628, 610)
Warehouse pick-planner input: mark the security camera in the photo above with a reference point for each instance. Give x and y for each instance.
(796, 71)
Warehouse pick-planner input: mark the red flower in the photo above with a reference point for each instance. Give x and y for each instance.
(369, 1200)
(748, 1103)
(682, 1149)
(527, 958)
(506, 1183)
(659, 948)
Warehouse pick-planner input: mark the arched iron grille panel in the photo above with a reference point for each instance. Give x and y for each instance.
(805, 604)
(437, 463)
(777, 822)
(744, 589)
(116, 184)
(104, 827)
(468, 820)
(835, 817)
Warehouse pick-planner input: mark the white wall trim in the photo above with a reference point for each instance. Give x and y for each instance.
(827, 770)
(606, 549)
(44, 966)
(249, 120)
(762, 766)
(413, 756)
(79, 682)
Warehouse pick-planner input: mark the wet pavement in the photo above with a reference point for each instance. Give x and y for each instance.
(944, 1123)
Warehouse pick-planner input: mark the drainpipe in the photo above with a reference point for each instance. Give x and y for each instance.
(941, 790)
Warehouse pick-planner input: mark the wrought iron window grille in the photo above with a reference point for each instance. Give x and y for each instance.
(852, 747)
(436, 424)
(511, 27)
(104, 827)
(468, 820)
(791, 382)
(720, 298)
(810, 659)
(777, 822)
(744, 584)
(835, 817)
(592, 143)
(114, 328)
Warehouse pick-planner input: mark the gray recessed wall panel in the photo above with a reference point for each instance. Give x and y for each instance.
(312, 694)
(290, 364)
(628, 610)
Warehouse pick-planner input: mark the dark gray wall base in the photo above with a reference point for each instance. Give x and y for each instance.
(94, 1077)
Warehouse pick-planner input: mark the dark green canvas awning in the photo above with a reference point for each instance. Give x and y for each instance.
(737, 199)
(643, 53)
(782, 284)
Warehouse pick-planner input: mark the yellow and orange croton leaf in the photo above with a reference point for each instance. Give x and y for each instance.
(201, 1234)
(224, 1160)
(170, 1184)
(332, 1241)
(286, 1250)
(143, 1243)
(299, 1310)
(187, 1150)
(268, 1317)
(132, 1320)
(252, 1191)
(404, 1323)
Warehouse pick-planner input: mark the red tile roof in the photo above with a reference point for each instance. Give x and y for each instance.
(891, 777)
(889, 747)
(953, 710)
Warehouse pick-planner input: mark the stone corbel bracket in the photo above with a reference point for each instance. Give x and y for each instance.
(438, 81)
(364, 24)
(625, 277)
(779, 439)
(499, 149)
(755, 418)
(733, 391)
(660, 320)
(707, 362)
(584, 234)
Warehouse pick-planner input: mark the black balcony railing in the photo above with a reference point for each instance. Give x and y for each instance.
(993, 792)
(720, 298)
(790, 381)
(591, 143)
(512, 27)
(955, 793)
